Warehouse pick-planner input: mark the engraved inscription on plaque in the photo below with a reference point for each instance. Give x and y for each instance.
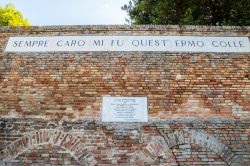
(124, 109)
(128, 43)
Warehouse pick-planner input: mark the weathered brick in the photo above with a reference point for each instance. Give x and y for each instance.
(198, 103)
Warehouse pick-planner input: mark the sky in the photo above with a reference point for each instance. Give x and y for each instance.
(71, 12)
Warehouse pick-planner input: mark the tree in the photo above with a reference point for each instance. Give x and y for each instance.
(191, 12)
(9, 16)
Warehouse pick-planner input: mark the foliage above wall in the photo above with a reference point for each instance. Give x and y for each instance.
(10, 16)
(191, 12)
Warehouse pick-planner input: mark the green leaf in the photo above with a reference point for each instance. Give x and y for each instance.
(197, 12)
(9, 16)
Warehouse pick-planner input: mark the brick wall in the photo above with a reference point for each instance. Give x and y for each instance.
(198, 103)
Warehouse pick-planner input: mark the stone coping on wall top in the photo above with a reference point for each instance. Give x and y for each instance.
(192, 120)
(127, 28)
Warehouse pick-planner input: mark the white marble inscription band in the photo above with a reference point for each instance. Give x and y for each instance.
(124, 109)
(128, 43)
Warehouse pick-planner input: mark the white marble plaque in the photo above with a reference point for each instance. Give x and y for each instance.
(124, 109)
(128, 43)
